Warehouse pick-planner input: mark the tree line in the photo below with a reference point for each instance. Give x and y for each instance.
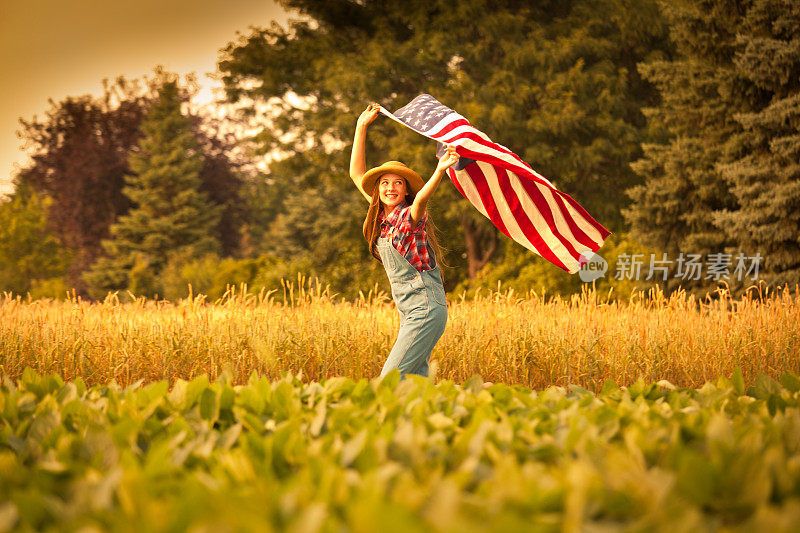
(675, 124)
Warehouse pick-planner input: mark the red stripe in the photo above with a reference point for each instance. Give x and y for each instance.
(450, 127)
(543, 206)
(480, 140)
(454, 178)
(579, 234)
(539, 199)
(479, 180)
(480, 156)
(525, 224)
(526, 171)
(497, 161)
(599, 227)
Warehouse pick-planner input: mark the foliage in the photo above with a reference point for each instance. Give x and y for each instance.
(79, 153)
(213, 276)
(30, 254)
(554, 81)
(720, 173)
(519, 272)
(170, 214)
(341, 455)
(765, 177)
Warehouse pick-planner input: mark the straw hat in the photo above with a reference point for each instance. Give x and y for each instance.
(413, 179)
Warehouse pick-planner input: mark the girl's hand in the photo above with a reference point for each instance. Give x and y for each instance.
(449, 158)
(368, 115)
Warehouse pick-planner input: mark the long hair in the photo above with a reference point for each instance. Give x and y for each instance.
(372, 229)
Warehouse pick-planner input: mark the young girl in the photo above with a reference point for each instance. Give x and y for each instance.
(395, 229)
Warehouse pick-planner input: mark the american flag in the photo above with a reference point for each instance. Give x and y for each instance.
(521, 203)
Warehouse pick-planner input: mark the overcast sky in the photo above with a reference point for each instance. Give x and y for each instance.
(58, 48)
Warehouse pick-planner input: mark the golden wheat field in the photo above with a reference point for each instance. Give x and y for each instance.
(526, 339)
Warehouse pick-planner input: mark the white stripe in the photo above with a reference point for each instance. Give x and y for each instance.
(512, 225)
(529, 206)
(477, 147)
(443, 123)
(471, 192)
(534, 215)
(588, 228)
(502, 206)
(559, 220)
(468, 128)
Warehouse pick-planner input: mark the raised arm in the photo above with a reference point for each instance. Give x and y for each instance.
(420, 204)
(358, 159)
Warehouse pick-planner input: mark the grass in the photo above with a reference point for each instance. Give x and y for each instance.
(526, 340)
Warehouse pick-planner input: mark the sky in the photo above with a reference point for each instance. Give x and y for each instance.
(57, 48)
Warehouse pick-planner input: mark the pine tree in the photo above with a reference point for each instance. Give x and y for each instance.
(675, 210)
(170, 214)
(765, 179)
(79, 158)
(28, 250)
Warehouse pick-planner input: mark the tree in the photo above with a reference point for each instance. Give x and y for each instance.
(170, 214)
(720, 173)
(765, 176)
(79, 154)
(79, 158)
(554, 81)
(29, 253)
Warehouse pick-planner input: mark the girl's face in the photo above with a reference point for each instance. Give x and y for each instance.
(392, 189)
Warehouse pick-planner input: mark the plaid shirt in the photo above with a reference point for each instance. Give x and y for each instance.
(409, 241)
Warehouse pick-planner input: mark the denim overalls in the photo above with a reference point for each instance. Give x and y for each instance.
(420, 299)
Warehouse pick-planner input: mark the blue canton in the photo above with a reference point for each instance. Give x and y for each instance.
(424, 112)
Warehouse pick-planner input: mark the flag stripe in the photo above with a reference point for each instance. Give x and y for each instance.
(489, 149)
(521, 203)
(550, 229)
(590, 226)
(562, 220)
(468, 132)
(538, 234)
(478, 179)
(467, 188)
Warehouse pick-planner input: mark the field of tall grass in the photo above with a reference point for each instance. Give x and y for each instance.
(527, 339)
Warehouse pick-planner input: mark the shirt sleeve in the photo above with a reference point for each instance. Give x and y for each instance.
(407, 226)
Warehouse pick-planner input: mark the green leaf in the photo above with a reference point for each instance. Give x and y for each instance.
(229, 437)
(474, 384)
(353, 447)
(765, 387)
(209, 405)
(177, 396)
(31, 380)
(738, 381)
(609, 387)
(439, 420)
(319, 419)
(227, 397)
(44, 423)
(790, 381)
(194, 389)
